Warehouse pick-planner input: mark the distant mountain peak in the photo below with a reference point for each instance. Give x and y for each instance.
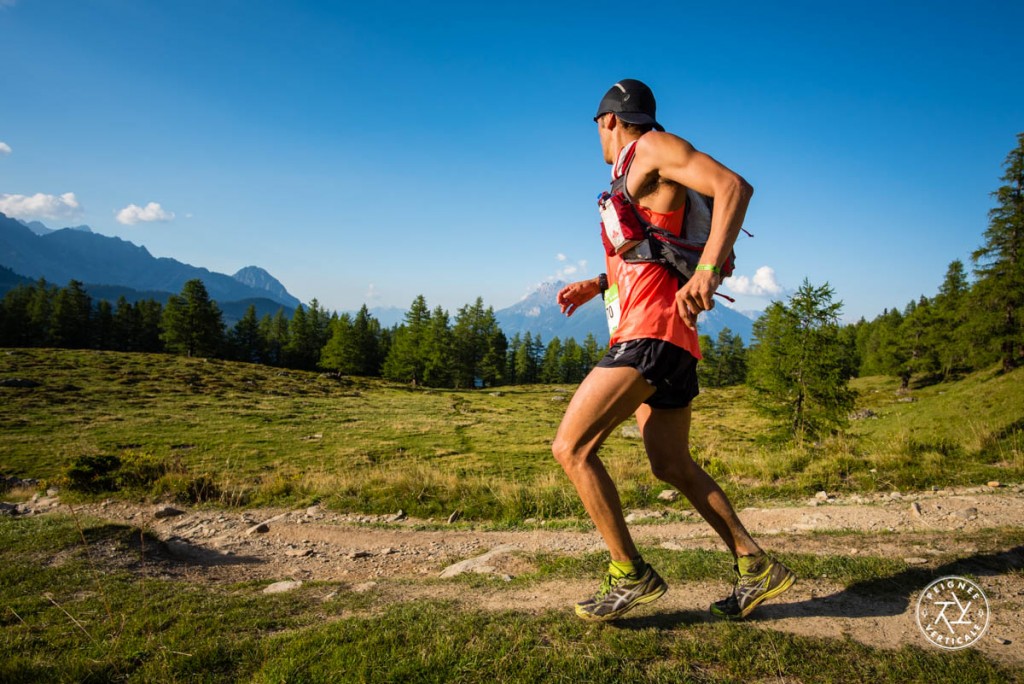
(77, 253)
(259, 279)
(40, 228)
(254, 276)
(539, 313)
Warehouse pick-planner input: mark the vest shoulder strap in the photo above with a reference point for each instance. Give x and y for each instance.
(621, 168)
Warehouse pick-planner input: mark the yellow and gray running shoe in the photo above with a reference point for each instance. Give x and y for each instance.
(758, 578)
(619, 594)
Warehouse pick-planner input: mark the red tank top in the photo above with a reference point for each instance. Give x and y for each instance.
(642, 296)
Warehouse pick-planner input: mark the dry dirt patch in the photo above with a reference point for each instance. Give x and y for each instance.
(395, 557)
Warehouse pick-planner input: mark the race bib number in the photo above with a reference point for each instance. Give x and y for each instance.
(612, 308)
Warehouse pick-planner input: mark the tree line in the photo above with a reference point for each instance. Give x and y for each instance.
(429, 348)
(966, 325)
(801, 359)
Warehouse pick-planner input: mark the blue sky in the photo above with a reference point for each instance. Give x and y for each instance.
(371, 152)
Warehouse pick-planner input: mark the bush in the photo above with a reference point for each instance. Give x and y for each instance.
(93, 474)
(141, 470)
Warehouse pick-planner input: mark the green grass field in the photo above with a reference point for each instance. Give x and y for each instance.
(245, 434)
(213, 433)
(66, 618)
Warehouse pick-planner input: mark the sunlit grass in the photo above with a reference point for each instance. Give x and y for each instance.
(80, 604)
(245, 434)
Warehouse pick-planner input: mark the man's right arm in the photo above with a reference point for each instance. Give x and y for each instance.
(575, 295)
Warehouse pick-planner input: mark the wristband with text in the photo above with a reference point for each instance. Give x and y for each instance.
(708, 267)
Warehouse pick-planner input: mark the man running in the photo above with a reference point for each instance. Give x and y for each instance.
(650, 368)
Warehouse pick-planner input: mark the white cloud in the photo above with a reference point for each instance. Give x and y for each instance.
(39, 206)
(762, 284)
(563, 274)
(568, 270)
(133, 214)
(4, 147)
(372, 296)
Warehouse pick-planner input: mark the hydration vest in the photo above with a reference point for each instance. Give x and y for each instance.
(624, 231)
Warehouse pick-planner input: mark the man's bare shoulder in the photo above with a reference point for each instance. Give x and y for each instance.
(659, 142)
(656, 150)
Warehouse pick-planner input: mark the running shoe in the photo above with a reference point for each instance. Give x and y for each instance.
(761, 578)
(619, 594)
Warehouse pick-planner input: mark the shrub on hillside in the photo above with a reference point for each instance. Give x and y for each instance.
(92, 473)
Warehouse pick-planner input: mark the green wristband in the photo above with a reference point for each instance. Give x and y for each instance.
(708, 267)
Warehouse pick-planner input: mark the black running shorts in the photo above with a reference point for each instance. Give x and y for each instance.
(671, 370)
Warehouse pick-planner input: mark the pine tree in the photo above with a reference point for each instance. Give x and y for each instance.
(492, 367)
(102, 329)
(405, 361)
(571, 366)
(707, 368)
(40, 314)
(953, 341)
(725, 360)
(150, 317)
(732, 358)
(475, 336)
(438, 351)
(245, 340)
(886, 351)
(1000, 264)
(72, 311)
(798, 368)
(275, 333)
(15, 329)
(918, 333)
(526, 360)
(319, 324)
(591, 353)
(192, 322)
(303, 348)
(340, 354)
(366, 332)
(550, 367)
(512, 372)
(127, 326)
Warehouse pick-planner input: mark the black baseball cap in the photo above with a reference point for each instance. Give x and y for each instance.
(632, 101)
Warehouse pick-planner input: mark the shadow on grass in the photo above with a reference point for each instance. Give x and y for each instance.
(881, 597)
(176, 551)
(887, 596)
(131, 548)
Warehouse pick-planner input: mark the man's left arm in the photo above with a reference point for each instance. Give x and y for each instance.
(676, 160)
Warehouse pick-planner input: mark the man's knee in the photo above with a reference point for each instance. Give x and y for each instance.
(567, 453)
(666, 472)
(672, 468)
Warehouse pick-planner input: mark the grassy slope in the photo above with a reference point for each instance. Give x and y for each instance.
(282, 435)
(264, 435)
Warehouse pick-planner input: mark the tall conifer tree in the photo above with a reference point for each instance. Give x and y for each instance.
(1000, 264)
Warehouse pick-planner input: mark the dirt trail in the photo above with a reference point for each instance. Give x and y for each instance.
(388, 554)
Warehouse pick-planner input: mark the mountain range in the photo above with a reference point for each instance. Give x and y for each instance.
(539, 313)
(110, 267)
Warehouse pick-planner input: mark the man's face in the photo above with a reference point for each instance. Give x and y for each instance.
(605, 135)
